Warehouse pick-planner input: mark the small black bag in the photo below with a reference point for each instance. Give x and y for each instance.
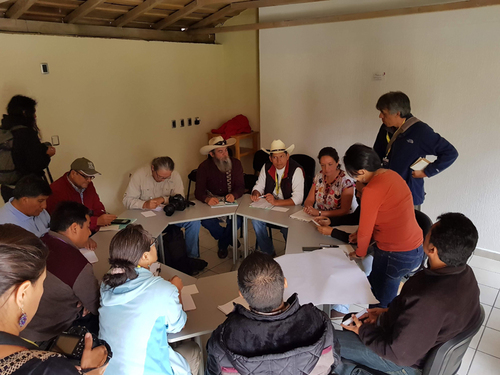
(175, 252)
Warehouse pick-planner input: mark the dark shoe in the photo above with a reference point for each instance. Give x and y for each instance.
(222, 253)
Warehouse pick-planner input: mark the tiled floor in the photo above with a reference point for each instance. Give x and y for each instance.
(482, 356)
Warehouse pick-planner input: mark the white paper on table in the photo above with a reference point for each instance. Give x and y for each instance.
(325, 277)
(227, 308)
(114, 227)
(148, 213)
(302, 216)
(347, 228)
(90, 255)
(190, 289)
(159, 208)
(187, 302)
(280, 209)
(261, 203)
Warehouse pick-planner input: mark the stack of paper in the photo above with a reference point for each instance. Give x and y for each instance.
(302, 216)
(223, 203)
(187, 299)
(229, 307)
(261, 203)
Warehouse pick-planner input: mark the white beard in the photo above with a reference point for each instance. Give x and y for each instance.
(223, 165)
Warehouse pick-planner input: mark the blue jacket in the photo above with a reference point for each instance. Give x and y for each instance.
(419, 140)
(134, 319)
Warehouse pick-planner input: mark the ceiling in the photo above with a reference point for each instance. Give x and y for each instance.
(196, 20)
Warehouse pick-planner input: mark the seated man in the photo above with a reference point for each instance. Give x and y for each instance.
(435, 305)
(76, 185)
(274, 337)
(71, 292)
(27, 207)
(281, 183)
(151, 186)
(219, 176)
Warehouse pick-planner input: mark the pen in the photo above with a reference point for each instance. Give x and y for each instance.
(262, 196)
(327, 245)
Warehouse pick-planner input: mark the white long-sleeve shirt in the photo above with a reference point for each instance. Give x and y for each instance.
(297, 184)
(143, 187)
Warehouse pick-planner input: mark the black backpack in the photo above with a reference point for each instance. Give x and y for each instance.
(175, 252)
(8, 173)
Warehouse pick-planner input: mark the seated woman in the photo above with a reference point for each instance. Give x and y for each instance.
(332, 191)
(138, 309)
(388, 218)
(22, 272)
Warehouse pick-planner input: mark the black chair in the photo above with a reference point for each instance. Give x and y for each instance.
(191, 177)
(259, 159)
(446, 358)
(309, 166)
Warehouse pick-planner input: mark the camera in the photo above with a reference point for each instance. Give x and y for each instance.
(176, 203)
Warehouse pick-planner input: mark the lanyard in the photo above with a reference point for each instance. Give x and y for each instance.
(278, 183)
(390, 140)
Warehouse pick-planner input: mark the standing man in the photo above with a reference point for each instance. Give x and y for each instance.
(403, 138)
(27, 207)
(76, 185)
(151, 186)
(219, 176)
(281, 183)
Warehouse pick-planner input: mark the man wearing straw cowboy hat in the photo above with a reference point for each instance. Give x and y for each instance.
(219, 176)
(281, 183)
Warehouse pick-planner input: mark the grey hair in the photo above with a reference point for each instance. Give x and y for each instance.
(163, 162)
(394, 102)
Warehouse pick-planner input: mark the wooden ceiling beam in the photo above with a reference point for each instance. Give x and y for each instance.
(17, 9)
(53, 28)
(221, 13)
(135, 13)
(84, 9)
(176, 16)
(466, 4)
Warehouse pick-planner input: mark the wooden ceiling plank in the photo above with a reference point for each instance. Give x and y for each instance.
(348, 17)
(82, 10)
(213, 17)
(53, 28)
(136, 12)
(176, 16)
(18, 8)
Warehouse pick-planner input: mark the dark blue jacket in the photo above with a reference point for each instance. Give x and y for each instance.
(417, 141)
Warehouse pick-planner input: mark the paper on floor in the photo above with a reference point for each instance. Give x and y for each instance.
(229, 307)
(326, 277)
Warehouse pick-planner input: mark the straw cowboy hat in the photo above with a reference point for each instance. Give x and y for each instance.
(217, 142)
(278, 146)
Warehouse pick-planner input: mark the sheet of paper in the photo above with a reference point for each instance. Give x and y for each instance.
(325, 277)
(420, 164)
(261, 203)
(148, 213)
(280, 209)
(190, 289)
(228, 307)
(347, 228)
(187, 302)
(114, 227)
(90, 255)
(302, 216)
(159, 208)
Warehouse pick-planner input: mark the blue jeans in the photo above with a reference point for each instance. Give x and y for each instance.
(223, 234)
(388, 269)
(192, 237)
(263, 240)
(353, 350)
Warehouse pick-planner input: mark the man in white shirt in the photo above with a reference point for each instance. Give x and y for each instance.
(152, 186)
(281, 183)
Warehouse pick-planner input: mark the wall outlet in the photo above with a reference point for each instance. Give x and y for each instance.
(174, 124)
(44, 67)
(190, 121)
(182, 123)
(55, 140)
(197, 121)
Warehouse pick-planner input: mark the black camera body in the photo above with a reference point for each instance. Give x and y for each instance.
(176, 203)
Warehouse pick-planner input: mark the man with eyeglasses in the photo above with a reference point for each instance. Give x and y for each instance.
(151, 186)
(76, 186)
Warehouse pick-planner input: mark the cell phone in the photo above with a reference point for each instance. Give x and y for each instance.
(311, 248)
(358, 315)
(120, 221)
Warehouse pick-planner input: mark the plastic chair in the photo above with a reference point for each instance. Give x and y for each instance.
(309, 166)
(446, 358)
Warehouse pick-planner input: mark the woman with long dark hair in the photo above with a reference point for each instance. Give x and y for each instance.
(387, 218)
(22, 272)
(29, 154)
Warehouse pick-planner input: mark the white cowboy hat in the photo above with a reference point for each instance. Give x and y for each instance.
(217, 142)
(278, 146)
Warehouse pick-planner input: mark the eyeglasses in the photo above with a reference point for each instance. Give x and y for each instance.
(155, 243)
(90, 178)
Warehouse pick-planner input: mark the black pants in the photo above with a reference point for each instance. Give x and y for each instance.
(7, 193)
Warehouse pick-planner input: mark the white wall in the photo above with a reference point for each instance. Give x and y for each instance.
(113, 101)
(317, 90)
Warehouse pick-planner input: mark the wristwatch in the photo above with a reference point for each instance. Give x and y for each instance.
(319, 212)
